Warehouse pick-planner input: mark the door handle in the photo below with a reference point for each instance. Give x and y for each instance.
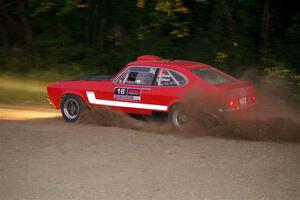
(146, 89)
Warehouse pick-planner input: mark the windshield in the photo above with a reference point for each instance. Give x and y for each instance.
(212, 76)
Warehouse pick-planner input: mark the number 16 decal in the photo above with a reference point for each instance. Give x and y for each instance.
(130, 94)
(120, 91)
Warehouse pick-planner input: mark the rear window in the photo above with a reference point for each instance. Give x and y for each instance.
(212, 76)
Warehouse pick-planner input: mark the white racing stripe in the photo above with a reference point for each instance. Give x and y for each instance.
(93, 100)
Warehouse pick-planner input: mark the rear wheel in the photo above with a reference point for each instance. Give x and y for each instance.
(178, 117)
(181, 116)
(71, 107)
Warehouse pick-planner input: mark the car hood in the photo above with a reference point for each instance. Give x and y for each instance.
(94, 78)
(79, 82)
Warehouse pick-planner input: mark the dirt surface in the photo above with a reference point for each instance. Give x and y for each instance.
(54, 160)
(25, 112)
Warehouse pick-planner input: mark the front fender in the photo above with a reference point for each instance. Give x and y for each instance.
(82, 95)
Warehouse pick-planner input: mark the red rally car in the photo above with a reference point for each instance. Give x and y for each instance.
(152, 85)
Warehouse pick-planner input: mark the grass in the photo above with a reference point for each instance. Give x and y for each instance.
(16, 89)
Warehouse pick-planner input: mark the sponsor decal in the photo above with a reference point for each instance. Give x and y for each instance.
(93, 100)
(134, 92)
(130, 94)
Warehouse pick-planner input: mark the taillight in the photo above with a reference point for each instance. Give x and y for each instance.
(253, 98)
(232, 103)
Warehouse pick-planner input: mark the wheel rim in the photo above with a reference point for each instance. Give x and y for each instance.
(179, 118)
(71, 108)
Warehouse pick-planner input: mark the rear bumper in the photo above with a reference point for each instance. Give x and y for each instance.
(244, 108)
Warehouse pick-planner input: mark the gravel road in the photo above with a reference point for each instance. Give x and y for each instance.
(53, 160)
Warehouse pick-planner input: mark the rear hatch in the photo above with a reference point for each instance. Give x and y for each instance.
(238, 95)
(233, 93)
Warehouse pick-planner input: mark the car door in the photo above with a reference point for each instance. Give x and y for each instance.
(140, 90)
(133, 92)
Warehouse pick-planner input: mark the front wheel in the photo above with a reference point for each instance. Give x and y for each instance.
(71, 107)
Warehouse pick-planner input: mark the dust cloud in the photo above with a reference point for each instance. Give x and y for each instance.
(248, 127)
(104, 116)
(107, 117)
(275, 118)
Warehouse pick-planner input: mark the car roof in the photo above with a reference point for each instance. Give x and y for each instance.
(149, 60)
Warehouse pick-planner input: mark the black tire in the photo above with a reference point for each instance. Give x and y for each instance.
(178, 116)
(71, 107)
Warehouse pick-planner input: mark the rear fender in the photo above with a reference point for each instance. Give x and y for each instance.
(172, 104)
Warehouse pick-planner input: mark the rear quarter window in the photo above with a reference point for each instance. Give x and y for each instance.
(179, 78)
(169, 78)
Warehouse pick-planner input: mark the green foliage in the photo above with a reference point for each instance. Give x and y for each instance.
(285, 74)
(73, 37)
(285, 79)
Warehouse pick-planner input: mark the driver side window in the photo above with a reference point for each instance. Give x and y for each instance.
(138, 76)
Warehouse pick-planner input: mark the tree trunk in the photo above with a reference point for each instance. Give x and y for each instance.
(222, 19)
(103, 8)
(266, 20)
(229, 21)
(8, 21)
(3, 35)
(101, 33)
(25, 21)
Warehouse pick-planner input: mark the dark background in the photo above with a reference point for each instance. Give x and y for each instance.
(82, 37)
